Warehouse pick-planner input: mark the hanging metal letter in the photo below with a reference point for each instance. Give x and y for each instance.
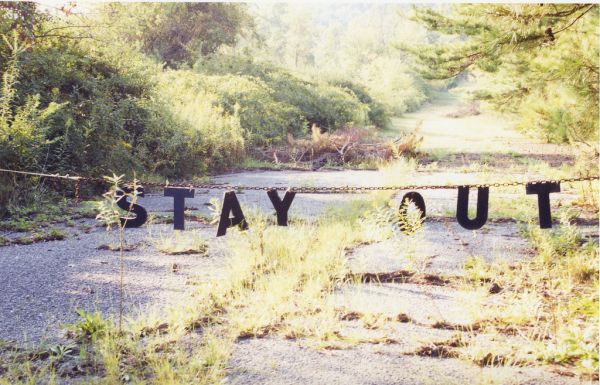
(179, 194)
(281, 206)
(231, 206)
(462, 208)
(140, 213)
(417, 199)
(543, 191)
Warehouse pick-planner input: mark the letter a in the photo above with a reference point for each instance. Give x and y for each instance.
(231, 205)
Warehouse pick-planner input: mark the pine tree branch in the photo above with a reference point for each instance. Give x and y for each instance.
(575, 20)
(568, 12)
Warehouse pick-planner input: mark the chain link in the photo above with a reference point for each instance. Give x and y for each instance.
(307, 190)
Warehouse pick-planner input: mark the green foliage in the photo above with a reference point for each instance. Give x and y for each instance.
(53, 234)
(396, 84)
(60, 352)
(180, 242)
(540, 61)
(410, 220)
(178, 33)
(274, 102)
(90, 326)
(111, 214)
(21, 17)
(103, 120)
(22, 127)
(377, 111)
(203, 135)
(343, 43)
(90, 114)
(215, 208)
(263, 118)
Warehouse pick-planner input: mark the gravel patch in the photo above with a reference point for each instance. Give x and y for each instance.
(425, 304)
(269, 362)
(44, 283)
(441, 248)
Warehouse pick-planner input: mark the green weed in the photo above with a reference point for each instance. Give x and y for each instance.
(188, 242)
(90, 326)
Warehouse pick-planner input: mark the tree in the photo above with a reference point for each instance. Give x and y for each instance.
(181, 32)
(542, 60)
(22, 17)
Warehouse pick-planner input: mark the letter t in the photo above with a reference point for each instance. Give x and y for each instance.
(179, 195)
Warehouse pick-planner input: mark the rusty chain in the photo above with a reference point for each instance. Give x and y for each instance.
(304, 190)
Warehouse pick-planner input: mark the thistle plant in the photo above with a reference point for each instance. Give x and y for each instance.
(408, 218)
(111, 214)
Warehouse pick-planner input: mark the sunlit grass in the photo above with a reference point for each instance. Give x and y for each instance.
(551, 300)
(181, 242)
(278, 281)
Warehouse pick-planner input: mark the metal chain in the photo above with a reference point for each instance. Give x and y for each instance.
(54, 176)
(307, 190)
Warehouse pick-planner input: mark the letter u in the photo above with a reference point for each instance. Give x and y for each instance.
(462, 208)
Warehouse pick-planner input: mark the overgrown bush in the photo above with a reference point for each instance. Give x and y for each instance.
(299, 102)
(205, 132)
(263, 118)
(102, 122)
(394, 83)
(378, 113)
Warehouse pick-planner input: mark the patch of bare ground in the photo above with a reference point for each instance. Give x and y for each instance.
(271, 361)
(440, 249)
(424, 304)
(50, 280)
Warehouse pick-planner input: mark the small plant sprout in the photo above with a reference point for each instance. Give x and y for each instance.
(215, 206)
(59, 352)
(182, 243)
(409, 218)
(90, 326)
(111, 215)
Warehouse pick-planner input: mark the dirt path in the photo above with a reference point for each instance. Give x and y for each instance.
(45, 282)
(483, 136)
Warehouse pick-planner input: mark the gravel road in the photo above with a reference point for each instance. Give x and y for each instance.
(279, 362)
(44, 283)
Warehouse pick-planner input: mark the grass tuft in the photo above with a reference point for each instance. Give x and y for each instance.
(189, 242)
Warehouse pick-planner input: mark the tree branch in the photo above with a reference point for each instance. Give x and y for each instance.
(575, 20)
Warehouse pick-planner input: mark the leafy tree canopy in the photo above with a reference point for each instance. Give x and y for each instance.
(179, 32)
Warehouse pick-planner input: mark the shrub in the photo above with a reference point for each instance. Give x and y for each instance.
(330, 106)
(84, 109)
(204, 133)
(263, 118)
(378, 112)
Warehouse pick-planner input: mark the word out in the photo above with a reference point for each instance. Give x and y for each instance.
(232, 214)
